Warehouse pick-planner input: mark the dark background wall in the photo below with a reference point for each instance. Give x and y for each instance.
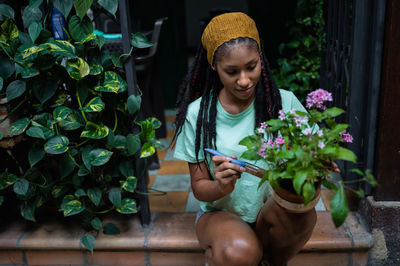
(181, 33)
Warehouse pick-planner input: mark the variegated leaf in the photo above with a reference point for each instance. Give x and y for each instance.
(56, 145)
(112, 83)
(94, 131)
(99, 157)
(94, 105)
(77, 68)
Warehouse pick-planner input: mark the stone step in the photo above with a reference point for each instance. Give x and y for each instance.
(169, 240)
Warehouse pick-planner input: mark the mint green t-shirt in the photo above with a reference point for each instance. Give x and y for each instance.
(247, 198)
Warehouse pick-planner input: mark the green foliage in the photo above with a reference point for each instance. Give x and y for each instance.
(298, 68)
(74, 114)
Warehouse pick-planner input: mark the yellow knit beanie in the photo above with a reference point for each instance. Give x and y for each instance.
(226, 27)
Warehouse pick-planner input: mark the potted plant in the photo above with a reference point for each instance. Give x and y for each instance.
(80, 128)
(300, 155)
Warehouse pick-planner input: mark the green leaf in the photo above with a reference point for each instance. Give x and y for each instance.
(35, 132)
(77, 68)
(34, 30)
(126, 168)
(64, 6)
(73, 121)
(147, 150)
(82, 6)
(31, 15)
(7, 179)
(85, 156)
(112, 83)
(299, 179)
(80, 192)
(18, 126)
(250, 155)
(58, 190)
(32, 50)
(115, 197)
(330, 185)
(95, 69)
(332, 112)
(56, 145)
(94, 195)
(35, 3)
(110, 229)
(308, 192)
(357, 171)
(109, 5)
(29, 71)
(128, 206)
(65, 165)
(73, 207)
(28, 211)
(61, 112)
(138, 40)
(15, 89)
(1, 83)
(21, 187)
(99, 156)
(6, 11)
(44, 90)
(1, 136)
(132, 143)
(1, 200)
(80, 29)
(339, 207)
(94, 131)
(345, 154)
(88, 240)
(35, 155)
(6, 66)
(96, 223)
(370, 178)
(148, 132)
(155, 122)
(133, 103)
(94, 105)
(119, 142)
(60, 47)
(129, 184)
(8, 32)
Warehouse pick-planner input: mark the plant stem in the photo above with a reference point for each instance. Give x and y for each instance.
(80, 105)
(115, 122)
(73, 159)
(80, 144)
(5, 51)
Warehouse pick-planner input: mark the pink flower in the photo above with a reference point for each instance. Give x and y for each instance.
(317, 98)
(321, 144)
(282, 115)
(320, 133)
(260, 130)
(280, 141)
(263, 125)
(300, 120)
(293, 111)
(270, 143)
(346, 136)
(308, 131)
(262, 153)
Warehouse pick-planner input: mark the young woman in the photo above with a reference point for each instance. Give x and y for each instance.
(228, 92)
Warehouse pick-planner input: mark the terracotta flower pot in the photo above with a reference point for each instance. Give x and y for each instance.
(294, 203)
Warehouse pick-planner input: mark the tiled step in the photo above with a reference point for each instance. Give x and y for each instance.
(169, 240)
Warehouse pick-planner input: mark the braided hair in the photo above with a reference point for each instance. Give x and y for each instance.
(203, 81)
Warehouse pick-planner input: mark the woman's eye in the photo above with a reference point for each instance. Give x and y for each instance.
(252, 67)
(231, 73)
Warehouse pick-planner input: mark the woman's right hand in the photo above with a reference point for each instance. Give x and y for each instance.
(226, 173)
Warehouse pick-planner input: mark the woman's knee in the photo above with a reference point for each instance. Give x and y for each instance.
(241, 252)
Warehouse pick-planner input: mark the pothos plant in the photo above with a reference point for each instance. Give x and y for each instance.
(297, 149)
(80, 127)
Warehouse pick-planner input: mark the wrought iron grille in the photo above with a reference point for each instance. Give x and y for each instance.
(335, 68)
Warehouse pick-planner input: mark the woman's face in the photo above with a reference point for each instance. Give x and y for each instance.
(239, 70)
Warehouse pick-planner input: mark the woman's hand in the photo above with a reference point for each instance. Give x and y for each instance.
(226, 173)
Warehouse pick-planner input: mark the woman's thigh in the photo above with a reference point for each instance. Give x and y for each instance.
(228, 240)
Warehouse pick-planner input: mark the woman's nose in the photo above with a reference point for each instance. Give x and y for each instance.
(243, 81)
